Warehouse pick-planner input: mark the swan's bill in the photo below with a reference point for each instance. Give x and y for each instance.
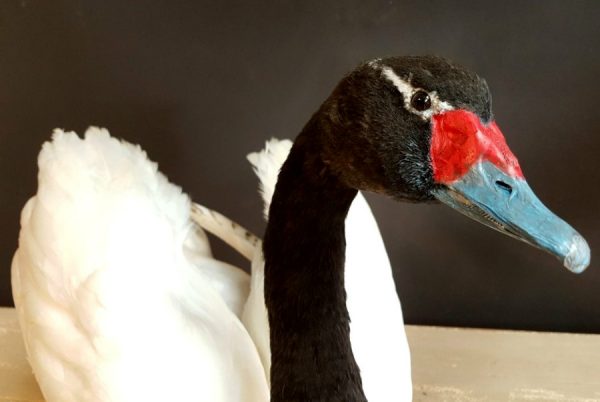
(507, 204)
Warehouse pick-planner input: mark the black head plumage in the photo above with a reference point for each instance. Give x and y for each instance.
(371, 137)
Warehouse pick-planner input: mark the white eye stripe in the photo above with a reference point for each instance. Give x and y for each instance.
(407, 91)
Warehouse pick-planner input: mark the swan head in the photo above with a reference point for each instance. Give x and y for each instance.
(420, 129)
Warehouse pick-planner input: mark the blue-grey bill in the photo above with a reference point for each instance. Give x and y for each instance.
(507, 204)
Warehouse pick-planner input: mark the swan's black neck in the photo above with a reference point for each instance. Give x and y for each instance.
(304, 250)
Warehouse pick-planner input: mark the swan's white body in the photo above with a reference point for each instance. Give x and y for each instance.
(119, 298)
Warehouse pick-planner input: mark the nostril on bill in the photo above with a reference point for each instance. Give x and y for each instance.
(504, 186)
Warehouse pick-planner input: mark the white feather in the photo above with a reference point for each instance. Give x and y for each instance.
(111, 307)
(266, 164)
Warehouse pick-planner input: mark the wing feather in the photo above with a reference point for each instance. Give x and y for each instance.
(111, 305)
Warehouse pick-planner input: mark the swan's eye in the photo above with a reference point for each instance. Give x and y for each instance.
(420, 101)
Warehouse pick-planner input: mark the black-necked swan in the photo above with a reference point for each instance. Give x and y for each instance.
(413, 128)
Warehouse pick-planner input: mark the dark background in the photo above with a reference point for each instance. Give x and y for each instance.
(201, 84)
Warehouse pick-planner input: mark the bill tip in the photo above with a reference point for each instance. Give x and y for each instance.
(578, 257)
